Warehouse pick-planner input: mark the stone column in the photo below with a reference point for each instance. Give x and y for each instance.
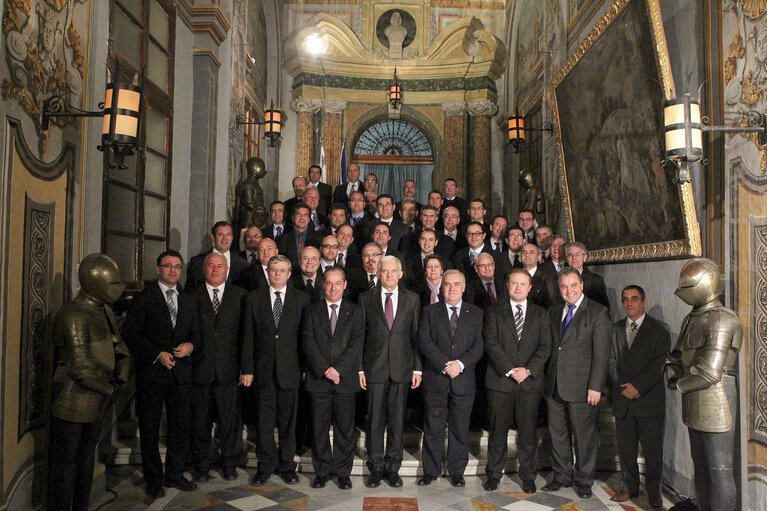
(306, 108)
(332, 139)
(455, 146)
(479, 172)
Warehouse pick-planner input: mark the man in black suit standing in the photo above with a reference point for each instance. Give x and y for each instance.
(397, 229)
(162, 330)
(309, 279)
(450, 340)
(293, 242)
(326, 191)
(277, 215)
(557, 252)
(526, 220)
(343, 192)
(593, 284)
(252, 239)
(222, 237)
(410, 243)
(256, 275)
(518, 343)
(318, 219)
(581, 333)
(221, 362)
(300, 183)
(390, 365)
(487, 287)
(348, 256)
(544, 291)
(381, 234)
(451, 198)
(332, 341)
(451, 220)
(463, 259)
(639, 349)
(496, 243)
(543, 238)
(512, 256)
(275, 344)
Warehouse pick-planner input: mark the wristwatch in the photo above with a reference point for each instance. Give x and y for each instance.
(528, 372)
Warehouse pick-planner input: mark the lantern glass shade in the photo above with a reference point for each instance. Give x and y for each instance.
(272, 123)
(395, 94)
(683, 131)
(516, 128)
(125, 108)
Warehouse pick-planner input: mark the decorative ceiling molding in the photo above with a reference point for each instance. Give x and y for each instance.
(205, 18)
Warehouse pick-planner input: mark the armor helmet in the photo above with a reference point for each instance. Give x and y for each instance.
(698, 281)
(100, 278)
(255, 167)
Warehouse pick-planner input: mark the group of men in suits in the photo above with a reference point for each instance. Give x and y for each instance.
(512, 303)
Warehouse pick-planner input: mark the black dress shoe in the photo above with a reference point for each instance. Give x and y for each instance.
(155, 491)
(583, 491)
(555, 486)
(457, 481)
(426, 480)
(319, 482)
(260, 478)
(182, 484)
(395, 481)
(528, 487)
(345, 483)
(289, 476)
(374, 480)
(201, 476)
(491, 484)
(229, 473)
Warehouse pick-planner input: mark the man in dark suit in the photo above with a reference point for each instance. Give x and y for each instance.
(252, 239)
(557, 252)
(222, 237)
(581, 334)
(407, 212)
(338, 216)
(487, 287)
(593, 284)
(463, 259)
(343, 192)
(161, 330)
(221, 362)
(381, 234)
(410, 243)
(397, 229)
(310, 278)
(409, 190)
(451, 220)
(326, 191)
(300, 183)
(518, 343)
(348, 255)
(450, 340)
(360, 280)
(477, 211)
(526, 220)
(390, 364)
(292, 242)
(359, 218)
(496, 242)
(639, 349)
(255, 276)
(451, 198)
(332, 345)
(544, 291)
(277, 214)
(278, 373)
(415, 276)
(318, 218)
(543, 238)
(512, 256)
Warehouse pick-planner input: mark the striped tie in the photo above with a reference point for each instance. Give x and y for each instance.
(519, 321)
(372, 282)
(171, 306)
(277, 309)
(216, 303)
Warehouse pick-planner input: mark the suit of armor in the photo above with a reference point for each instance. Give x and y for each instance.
(701, 366)
(91, 359)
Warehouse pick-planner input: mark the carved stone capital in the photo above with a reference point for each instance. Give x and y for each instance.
(484, 107)
(302, 104)
(333, 106)
(454, 108)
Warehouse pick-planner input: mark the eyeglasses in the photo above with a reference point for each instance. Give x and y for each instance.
(516, 236)
(168, 266)
(475, 233)
(572, 254)
(357, 200)
(485, 265)
(370, 256)
(555, 244)
(329, 246)
(371, 181)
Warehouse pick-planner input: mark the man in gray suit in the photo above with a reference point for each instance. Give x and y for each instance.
(581, 332)
(639, 349)
(390, 364)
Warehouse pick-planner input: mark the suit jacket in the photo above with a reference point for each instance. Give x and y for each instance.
(477, 292)
(459, 203)
(416, 276)
(326, 196)
(286, 244)
(642, 366)
(221, 356)
(506, 351)
(340, 195)
(252, 277)
(489, 248)
(545, 291)
(438, 347)
(594, 287)
(505, 263)
(195, 275)
(275, 348)
(353, 258)
(445, 248)
(397, 230)
(148, 331)
(584, 349)
(462, 261)
(390, 353)
(356, 283)
(297, 280)
(341, 349)
(268, 231)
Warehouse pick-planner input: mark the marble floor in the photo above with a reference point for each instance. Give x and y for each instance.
(220, 495)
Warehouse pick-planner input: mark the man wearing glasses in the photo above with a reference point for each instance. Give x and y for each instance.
(329, 252)
(543, 240)
(593, 284)
(222, 236)
(371, 183)
(512, 256)
(557, 251)
(452, 199)
(465, 257)
(544, 291)
(526, 220)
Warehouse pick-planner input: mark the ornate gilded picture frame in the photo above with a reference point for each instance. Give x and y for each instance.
(607, 108)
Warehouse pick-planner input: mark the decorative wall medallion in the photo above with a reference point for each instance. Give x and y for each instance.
(399, 29)
(38, 264)
(45, 56)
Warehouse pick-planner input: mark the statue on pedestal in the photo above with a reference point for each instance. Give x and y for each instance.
(702, 366)
(532, 198)
(91, 361)
(248, 194)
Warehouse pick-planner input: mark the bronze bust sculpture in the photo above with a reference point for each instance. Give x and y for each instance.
(91, 360)
(248, 194)
(702, 367)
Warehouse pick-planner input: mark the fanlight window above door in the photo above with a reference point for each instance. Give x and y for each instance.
(393, 138)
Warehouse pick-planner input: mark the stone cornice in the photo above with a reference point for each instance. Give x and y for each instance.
(454, 108)
(302, 104)
(204, 18)
(334, 107)
(486, 108)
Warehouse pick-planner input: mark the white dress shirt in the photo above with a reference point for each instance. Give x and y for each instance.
(330, 311)
(575, 311)
(457, 313)
(220, 292)
(630, 336)
(273, 296)
(514, 318)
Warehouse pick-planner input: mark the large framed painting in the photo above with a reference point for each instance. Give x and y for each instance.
(607, 108)
(529, 59)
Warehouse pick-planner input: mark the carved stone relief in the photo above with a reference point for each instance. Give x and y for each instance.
(758, 415)
(44, 53)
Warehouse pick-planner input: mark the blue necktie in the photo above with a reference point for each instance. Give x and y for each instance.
(567, 320)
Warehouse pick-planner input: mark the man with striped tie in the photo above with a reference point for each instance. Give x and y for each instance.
(161, 331)
(518, 344)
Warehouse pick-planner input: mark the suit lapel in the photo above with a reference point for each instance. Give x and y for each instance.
(400, 298)
(508, 317)
(164, 307)
(325, 319)
(623, 342)
(580, 313)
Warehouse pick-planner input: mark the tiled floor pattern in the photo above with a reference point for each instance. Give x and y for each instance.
(220, 495)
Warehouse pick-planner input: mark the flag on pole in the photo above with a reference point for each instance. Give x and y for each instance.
(322, 162)
(342, 179)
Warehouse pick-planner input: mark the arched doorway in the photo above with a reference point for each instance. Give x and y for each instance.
(395, 151)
